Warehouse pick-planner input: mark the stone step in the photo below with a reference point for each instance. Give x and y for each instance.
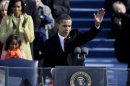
(84, 12)
(101, 60)
(100, 43)
(101, 52)
(87, 3)
(104, 33)
(114, 69)
(88, 22)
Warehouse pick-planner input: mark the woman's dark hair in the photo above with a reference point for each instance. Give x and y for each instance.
(11, 5)
(10, 39)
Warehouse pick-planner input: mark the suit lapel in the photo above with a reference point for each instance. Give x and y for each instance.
(58, 44)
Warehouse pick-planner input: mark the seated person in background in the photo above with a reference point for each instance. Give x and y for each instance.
(109, 3)
(12, 48)
(121, 31)
(116, 21)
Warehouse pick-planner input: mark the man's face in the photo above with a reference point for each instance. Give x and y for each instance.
(37, 2)
(119, 8)
(65, 27)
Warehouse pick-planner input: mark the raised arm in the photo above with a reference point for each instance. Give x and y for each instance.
(99, 16)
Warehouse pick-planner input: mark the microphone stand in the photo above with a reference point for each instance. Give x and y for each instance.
(81, 61)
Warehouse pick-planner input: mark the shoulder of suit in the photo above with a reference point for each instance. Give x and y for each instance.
(51, 40)
(53, 37)
(75, 31)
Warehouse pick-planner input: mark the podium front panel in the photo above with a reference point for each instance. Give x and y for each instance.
(3, 76)
(72, 76)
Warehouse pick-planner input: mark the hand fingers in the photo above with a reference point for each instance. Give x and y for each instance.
(101, 11)
(94, 15)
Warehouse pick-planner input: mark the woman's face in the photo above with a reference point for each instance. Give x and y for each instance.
(4, 7)
(3, 11)
(17, 9)
(14, 44)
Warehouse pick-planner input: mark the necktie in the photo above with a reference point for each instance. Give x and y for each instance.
(65, 44)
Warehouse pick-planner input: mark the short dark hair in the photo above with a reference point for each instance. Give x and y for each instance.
(11, 5)
(63, 17)
(10, 39)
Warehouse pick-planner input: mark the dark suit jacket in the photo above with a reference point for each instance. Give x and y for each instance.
(55, 56)
(122, 40)
(31, 9)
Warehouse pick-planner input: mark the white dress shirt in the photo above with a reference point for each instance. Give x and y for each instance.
(61, 41)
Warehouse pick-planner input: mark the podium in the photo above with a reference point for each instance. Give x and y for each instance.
(16, 72)
(65, 76)
(80, 76)
(3, 75)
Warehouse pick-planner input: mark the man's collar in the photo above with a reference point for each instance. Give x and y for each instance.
(61, 37)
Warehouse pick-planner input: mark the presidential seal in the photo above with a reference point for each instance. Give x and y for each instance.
(80, 79)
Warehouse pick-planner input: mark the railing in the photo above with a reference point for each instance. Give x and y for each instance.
(63, 76)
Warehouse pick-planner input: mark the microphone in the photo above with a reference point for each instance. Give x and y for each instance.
(84, 52)
(77, 52)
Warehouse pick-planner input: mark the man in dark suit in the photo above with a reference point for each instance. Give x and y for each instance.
(31, 9)
(55, 53)
(121, 31)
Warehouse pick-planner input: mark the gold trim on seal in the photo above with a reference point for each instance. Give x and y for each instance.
(82, 77)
